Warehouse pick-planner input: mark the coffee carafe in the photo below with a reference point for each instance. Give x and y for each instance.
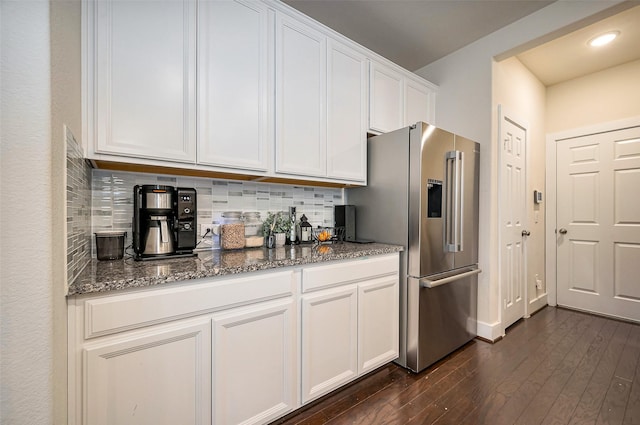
(164, 221)
(159, 239)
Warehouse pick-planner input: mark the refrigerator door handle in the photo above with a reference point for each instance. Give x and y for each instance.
(450, 203)
(453, 228)
(456, 201)
(429, 283)
(460, 199)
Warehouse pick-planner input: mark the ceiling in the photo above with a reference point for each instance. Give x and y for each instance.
(415, 33)
(570, 56)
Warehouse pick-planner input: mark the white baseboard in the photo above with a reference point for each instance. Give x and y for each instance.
(494, 331)
(490, 331)
(537, 304)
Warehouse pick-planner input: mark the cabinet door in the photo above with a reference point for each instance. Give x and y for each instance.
(418, 102)
(159, 376)
(386, 99)
(254, 363)
(329, 340)
(300, 98)
(234, 80)
(145, 79)
(346, 113)
(378, 322)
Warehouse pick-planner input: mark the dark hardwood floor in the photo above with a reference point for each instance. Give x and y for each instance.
(558, 367)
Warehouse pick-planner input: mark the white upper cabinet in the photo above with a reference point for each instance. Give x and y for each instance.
(398, 98)
(144, 88)
(300, 98)
(234, 84)
(248, 87)
(346, 112)
(419, 102)
(386, 111)
(321, 104)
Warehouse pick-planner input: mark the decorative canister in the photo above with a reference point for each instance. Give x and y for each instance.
(252, 230)
(232, 230)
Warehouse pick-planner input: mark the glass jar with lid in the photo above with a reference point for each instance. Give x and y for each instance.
(231, 230)
(253, 229)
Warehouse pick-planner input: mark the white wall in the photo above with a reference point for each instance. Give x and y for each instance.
(26, 292)
(517, 89)
(465, 106)
(601, 97)
(65, 76)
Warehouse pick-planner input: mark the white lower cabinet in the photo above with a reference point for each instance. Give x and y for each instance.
(329, 340)
(378, 326)
(246, 349)
(254, 366)
(349, 321)
(157, 376)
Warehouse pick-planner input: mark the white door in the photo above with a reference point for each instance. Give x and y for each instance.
(161, 375)
(145, 72)
(329, 340)
(512, 220)
(234, 84)
(386, 99)
(254, 363)
(346, 113)
(598, 223)
(378, 322)
(301, 76)
(417, 102)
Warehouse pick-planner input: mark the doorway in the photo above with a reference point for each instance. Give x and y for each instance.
(594, 225)
(513, 217)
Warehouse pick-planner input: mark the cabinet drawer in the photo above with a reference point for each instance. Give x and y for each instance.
(111, 314)
(325, 276)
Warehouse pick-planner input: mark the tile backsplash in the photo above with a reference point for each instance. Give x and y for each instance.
(112, 198)
(78, 208)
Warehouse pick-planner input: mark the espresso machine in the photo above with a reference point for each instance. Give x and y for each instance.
(164, 221)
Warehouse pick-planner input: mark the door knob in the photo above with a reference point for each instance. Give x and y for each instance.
(563, 231)
(526, 233)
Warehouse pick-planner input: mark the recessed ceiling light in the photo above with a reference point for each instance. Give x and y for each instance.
(603, 39)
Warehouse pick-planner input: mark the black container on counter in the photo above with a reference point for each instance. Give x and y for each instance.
(110, 245)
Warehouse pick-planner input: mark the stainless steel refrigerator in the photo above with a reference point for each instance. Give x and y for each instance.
(422, 193)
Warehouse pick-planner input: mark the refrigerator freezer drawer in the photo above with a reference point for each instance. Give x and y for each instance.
(447, 319)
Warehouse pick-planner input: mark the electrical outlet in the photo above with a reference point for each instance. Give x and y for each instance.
(204, 228)
(538, 282)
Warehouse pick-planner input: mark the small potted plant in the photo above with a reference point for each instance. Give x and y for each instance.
(277, 224)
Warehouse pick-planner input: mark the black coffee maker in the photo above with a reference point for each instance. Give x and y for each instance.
(164, 221)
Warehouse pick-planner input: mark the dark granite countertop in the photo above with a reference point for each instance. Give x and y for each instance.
(105, 276)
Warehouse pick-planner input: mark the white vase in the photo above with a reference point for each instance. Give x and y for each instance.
(280, 239)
